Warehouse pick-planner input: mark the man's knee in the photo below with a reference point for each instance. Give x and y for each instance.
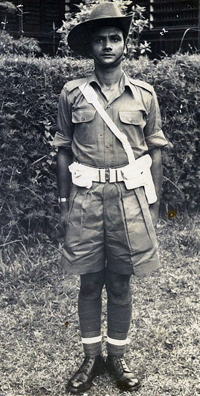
(118, 287)
(92, 285)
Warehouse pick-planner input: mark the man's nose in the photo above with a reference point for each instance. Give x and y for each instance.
(107, 44)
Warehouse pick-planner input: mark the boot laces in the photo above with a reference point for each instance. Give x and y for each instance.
(87, 364)
(122, 365)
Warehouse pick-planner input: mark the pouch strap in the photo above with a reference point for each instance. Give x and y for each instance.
(92, 98)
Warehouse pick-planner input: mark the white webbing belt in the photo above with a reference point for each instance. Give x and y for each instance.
(91, 97)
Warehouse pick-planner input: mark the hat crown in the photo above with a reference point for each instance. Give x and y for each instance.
(104, 14)
(105, 10)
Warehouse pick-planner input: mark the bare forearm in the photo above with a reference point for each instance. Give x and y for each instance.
(157, 171)
(64, 159)
(157, 175)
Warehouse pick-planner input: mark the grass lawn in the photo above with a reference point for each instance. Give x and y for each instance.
(39, 331)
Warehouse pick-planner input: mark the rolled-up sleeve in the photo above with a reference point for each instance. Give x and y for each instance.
(154, 135)
(64, 134)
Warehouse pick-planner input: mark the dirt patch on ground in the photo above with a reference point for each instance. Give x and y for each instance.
(39, 332)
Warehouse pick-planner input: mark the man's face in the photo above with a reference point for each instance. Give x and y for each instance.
(107, 46)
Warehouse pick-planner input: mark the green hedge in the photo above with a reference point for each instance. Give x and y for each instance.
(23, 46)
(29, 93)
(177, 83)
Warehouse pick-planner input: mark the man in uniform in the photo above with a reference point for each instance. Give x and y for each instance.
(109, 210)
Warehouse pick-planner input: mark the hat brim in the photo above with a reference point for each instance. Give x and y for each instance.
(78, 38)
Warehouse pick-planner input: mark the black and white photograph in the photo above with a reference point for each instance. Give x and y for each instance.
(99, 197)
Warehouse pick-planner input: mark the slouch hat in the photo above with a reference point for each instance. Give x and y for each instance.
(103, 15)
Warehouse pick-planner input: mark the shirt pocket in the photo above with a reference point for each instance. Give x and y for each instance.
(79, 116)
(132, 123)
(131, 117)
(84, 131)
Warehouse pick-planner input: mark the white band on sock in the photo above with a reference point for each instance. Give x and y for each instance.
(117, 342)
(91, 340)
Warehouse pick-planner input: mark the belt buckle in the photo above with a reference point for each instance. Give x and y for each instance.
(107, 175)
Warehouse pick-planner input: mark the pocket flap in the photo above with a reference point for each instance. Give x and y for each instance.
(79, 116)
(131, 117)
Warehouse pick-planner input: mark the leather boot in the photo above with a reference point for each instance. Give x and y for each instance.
(89, 369)
(124, 378)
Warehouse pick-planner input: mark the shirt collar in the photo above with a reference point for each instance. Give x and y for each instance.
(93, 78)
(124, 81)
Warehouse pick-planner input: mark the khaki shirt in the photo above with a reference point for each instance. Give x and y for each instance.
(134, 109)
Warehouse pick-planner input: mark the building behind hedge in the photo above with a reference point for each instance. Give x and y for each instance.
(171, 23)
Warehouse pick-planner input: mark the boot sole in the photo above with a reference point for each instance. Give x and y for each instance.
(128, 389)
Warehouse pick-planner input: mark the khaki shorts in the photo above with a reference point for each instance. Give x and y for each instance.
(109, 226)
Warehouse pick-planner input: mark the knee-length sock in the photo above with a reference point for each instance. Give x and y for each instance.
(89, 312)
(119, 319)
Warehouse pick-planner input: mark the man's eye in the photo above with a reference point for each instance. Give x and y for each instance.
(98, 40)
(116, 39)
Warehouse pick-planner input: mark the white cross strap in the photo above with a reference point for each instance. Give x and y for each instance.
(91, 97)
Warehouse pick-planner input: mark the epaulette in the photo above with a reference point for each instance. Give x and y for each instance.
(141, 84)
(71, 85)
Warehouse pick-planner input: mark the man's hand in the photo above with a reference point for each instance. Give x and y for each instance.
(154, 210)
(64, 209)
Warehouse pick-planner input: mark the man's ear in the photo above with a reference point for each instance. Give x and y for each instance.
(90, 54)
(89, 50)
(125, 50)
